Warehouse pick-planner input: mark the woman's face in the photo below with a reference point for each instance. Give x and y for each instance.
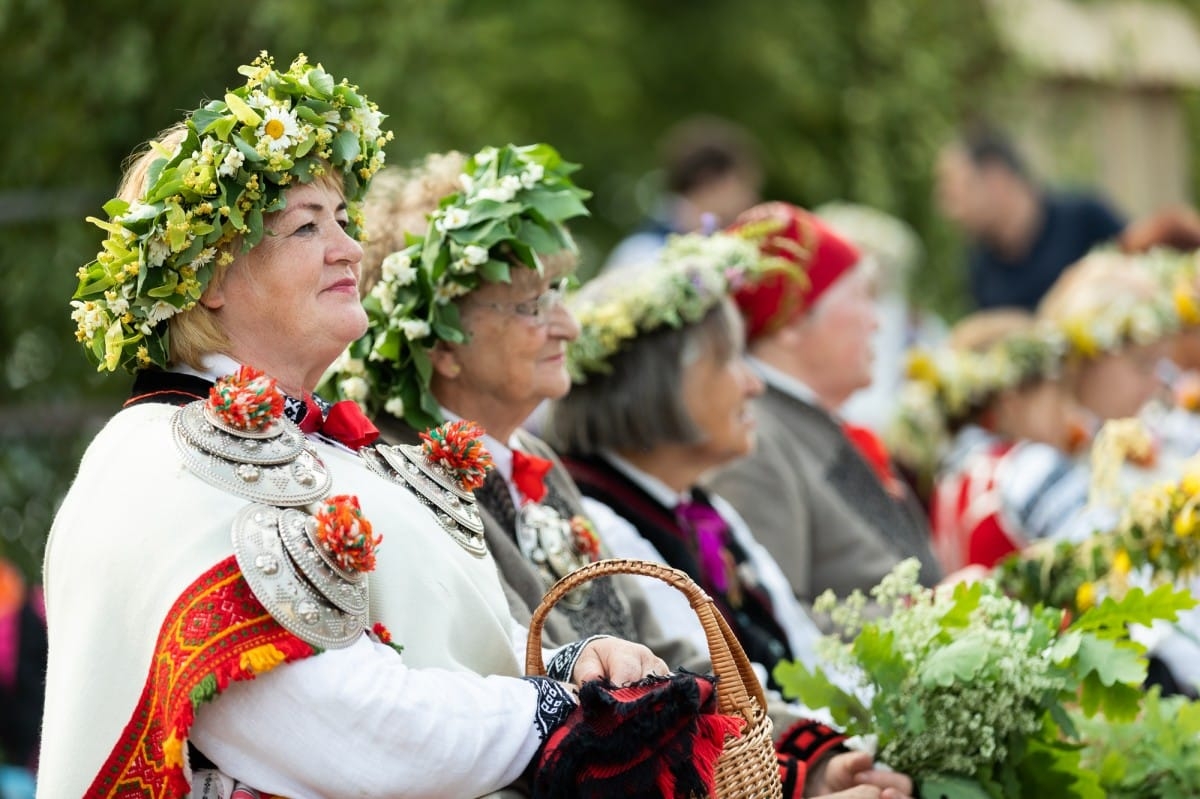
(293, 299)
(1119, 384)
(515, 357)
(838, 333)
(1042, 412)
(716, 395)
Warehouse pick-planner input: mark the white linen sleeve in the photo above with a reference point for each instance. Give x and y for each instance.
(675, 616)
(359, 722)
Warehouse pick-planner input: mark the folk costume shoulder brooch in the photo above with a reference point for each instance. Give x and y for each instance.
(442, 472)
(304, 554)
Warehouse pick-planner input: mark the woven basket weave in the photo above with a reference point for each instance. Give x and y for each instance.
(747, 766)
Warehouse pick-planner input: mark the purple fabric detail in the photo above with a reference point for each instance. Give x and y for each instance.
(712, 536)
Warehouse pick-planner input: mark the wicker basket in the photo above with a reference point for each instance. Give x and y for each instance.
(747, 767)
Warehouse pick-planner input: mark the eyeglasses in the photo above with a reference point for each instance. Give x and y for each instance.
(538, 309)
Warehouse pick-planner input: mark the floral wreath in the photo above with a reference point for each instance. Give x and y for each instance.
(510, 209)
(945, 386)
(692, 274)
(238, 157)
(1157, 536)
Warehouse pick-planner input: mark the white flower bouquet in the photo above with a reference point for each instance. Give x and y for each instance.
(969, 690)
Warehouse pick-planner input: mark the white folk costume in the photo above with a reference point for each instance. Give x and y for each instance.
(995, 496)
(134, 671)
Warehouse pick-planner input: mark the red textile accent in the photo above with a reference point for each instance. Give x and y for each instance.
(345, 423)
(658, 737)
(799, 750)
(818, 256)
(965, 515)
(873, 451)
(529, 475)
(206, 642)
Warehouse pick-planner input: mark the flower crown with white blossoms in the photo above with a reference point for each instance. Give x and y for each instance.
(238, 157)
(690, 276)
(510, 209)
(945, 386)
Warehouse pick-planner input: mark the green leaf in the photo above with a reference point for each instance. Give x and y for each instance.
(1117, 702)
(539, 238)
(495, 271)
(959, 661)
(1112, 616)
(942, 786)
(815, 690)
(877, 650)
(556, 206)
(1111, 661)
(345, 147)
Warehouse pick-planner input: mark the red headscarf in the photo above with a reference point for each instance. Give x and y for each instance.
(813, 258)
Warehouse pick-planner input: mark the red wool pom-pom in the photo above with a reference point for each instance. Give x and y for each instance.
(346, 535)
(455, 446)
(583, 535)
(247, 400)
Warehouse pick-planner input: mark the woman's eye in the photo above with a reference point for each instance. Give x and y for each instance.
(308, 227)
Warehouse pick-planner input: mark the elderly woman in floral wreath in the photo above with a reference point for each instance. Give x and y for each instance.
(180, 662)
(471, 321)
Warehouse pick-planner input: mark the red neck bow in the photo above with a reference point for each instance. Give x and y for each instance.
(529, 475)
(873, 451)
(345, 422)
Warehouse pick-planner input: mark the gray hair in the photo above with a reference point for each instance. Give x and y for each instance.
(639, 404)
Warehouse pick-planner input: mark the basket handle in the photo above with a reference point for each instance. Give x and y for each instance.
(738, 686)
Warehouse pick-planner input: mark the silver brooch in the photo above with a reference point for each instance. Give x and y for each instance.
(546, 540)
(453, 507)
(275, 466)
(293, 579)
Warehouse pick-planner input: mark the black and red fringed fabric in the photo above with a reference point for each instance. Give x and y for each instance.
(656, 739)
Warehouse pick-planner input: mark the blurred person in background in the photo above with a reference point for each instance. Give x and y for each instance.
(711, 172)
(820, 495)
(895, 252)
(22, 681)
(1021, 235)
(1008, 476)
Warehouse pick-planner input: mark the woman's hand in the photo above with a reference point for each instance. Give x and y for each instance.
(618, 661)
(854, 774)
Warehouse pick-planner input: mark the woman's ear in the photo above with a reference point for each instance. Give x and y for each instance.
(445, 360)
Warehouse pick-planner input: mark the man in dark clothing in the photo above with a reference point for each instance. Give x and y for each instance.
(1022, 236)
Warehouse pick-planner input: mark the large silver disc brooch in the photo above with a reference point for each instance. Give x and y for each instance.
(296, 580)
(442, 473)
(557, 546)
(303, 553)
(264, 459)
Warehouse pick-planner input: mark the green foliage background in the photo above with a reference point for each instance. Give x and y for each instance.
(850, 99)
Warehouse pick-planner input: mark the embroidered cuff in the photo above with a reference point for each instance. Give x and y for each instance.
(555, 703)
(562, 665)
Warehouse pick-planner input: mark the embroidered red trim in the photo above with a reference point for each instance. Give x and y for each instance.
(216, 633)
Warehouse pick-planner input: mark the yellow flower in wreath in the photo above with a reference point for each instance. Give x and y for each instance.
(1085, 596)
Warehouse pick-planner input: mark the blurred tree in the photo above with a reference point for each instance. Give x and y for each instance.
(850, 99)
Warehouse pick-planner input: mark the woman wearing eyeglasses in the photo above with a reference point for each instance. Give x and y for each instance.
(468, 323)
